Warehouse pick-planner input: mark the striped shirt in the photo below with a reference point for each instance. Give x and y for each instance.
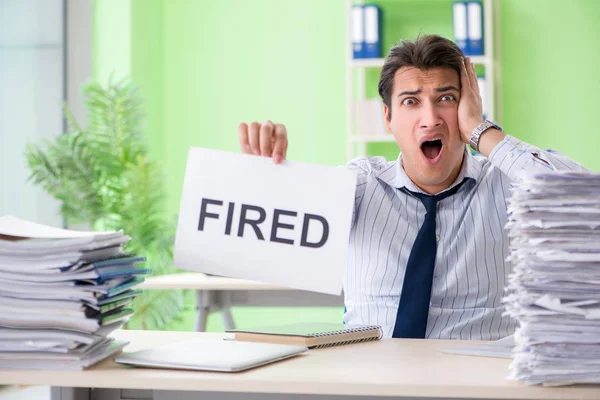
(470, 267)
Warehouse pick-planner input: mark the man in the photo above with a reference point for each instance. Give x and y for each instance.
(427, 251)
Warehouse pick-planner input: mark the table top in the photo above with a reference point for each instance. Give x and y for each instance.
(200, 281)
(392, 367)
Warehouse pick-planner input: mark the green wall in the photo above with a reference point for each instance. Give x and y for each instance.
(231, 61)
(550, 83)
(111, 55)
(147, 67)
(205, 66)
(128, 38)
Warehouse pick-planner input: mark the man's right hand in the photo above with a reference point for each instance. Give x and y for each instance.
(266, 139)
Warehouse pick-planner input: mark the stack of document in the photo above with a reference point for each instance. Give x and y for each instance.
(61, 294)
(554, 290)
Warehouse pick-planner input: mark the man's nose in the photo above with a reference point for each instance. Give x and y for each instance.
(430, 117)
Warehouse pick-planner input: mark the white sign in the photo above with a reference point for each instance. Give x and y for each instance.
(243, 216)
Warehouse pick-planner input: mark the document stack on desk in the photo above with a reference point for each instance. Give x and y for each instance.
(554, 230)
(61, 293)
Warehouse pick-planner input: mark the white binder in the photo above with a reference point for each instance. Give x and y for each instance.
(459, 14)
(475, 28)
(372, 43)
(358, 32)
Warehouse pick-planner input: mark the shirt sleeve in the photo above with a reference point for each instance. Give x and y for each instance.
(512, 155)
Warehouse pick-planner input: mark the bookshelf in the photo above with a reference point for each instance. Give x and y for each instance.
(362, 74)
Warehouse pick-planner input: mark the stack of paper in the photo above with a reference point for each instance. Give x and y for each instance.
(554, 290)
(61, 293)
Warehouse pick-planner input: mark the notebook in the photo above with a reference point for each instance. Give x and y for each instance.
(311, 335)
(210, 355)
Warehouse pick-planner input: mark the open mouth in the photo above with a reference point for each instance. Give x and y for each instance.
(432, 148)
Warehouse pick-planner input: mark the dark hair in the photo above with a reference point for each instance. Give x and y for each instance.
(426, 52)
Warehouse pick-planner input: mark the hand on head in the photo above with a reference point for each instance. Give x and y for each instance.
(470, 108)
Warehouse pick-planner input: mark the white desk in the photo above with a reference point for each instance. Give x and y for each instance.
(402, 368)
(218, 294)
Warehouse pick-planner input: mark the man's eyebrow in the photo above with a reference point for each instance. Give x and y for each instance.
(446, 88)
(440, 89)
(409, 92)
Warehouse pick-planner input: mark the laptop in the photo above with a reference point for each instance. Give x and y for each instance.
(210, 355)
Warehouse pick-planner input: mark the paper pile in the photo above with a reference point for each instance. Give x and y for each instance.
(554, 290)
(61, 293)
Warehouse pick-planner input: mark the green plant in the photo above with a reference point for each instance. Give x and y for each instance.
(102, 176)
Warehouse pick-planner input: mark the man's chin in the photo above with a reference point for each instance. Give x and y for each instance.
(434, 182)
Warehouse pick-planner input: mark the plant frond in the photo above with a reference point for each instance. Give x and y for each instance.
(101, 174)
(154, 309)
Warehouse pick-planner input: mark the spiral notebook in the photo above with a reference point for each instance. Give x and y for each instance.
(311, 335)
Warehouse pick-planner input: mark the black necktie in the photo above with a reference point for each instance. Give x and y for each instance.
(413, 310)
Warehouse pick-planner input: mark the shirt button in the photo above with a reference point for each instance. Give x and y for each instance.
(437, 237)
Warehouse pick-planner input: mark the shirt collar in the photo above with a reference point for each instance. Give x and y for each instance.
(395, 175)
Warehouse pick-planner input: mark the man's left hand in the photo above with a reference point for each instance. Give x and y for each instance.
(470, 107)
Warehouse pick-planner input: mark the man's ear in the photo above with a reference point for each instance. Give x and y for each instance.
(387, 118)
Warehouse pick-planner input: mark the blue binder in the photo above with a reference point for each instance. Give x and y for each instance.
(358, 32)
(459, 18)
(372, 18)
(475, 28)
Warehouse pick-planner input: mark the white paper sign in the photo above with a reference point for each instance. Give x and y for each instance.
(243, 216)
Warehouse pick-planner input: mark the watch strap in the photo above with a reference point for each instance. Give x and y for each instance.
(479, 130)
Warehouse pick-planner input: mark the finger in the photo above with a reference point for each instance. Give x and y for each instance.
(253, 137)
(475, 85)
(464, 77)
(473, 76)
(280, 143)
(474, 82)
(266, 135)
(243, 138)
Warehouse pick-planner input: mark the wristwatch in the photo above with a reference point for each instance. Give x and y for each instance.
(477, 132)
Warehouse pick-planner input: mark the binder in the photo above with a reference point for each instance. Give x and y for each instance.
(372, 21)
(475, 28)
(358, 32)
(459, 15)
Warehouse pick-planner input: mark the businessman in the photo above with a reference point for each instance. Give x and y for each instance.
(427, 250)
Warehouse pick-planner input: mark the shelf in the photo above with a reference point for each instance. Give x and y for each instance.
(373, 138)
(361, 73)
(378, 62)
(367, 62)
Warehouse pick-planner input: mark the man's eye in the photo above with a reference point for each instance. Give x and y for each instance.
(448, 97)
(409, 101)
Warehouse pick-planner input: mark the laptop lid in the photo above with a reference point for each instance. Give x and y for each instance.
(210, 355)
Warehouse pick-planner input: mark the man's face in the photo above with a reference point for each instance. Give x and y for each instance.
(424, 121)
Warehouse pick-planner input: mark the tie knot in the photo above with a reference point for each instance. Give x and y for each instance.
(430, 202)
